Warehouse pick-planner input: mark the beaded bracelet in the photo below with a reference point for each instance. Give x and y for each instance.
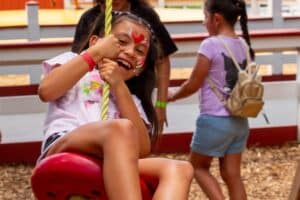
(89, 60)
(161, 104)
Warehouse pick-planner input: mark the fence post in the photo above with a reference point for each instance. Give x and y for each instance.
(277, 62)
(298, 92)
(33, 27)
(276, 13)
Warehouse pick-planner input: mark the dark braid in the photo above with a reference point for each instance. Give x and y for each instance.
(241, 6)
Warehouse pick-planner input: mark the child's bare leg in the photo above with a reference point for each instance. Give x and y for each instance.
(174, 177)
(205, 179)
(230, 169)
(116, 141)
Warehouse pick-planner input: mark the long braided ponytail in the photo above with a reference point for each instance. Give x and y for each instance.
(241, 9)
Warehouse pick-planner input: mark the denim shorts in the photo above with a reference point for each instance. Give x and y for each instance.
(220, 135)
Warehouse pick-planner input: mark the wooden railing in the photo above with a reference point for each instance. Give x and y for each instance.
(36, 31)
(22, 113)
(26, 56)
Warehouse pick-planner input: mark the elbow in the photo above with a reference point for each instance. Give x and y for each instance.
(194, 90)
(44, 94)
(193, 86)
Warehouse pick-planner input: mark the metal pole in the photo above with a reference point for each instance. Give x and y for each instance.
(33, 27)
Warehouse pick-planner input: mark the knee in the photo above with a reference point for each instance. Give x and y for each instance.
(229, 174)
(121, 131)
(181, 170)
(187, 169)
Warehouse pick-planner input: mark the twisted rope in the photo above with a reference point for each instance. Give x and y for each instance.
(107, 30)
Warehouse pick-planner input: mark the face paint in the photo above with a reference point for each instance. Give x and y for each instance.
(137, 38)
(140, 63)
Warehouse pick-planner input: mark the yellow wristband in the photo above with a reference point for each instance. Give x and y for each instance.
(161, 104)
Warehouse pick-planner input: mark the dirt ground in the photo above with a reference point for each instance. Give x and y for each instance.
(267, 172)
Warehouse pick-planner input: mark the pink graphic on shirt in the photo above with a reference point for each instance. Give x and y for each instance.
(91, 86)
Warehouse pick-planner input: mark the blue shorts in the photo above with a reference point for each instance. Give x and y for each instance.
(219, 135)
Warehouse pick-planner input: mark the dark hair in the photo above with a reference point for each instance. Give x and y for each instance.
(232, 10)
(88, 18)
(143, 85)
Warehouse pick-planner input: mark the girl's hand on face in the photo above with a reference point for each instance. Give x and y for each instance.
(110, 72)
(109, 46)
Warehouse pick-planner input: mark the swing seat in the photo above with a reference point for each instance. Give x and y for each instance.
(71, 176)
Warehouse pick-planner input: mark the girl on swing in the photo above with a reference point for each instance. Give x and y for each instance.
(73, 87)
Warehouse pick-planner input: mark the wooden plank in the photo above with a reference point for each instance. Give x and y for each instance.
(295, 192)
(19, 90)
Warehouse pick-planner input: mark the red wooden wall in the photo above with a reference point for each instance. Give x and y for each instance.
(20, 4)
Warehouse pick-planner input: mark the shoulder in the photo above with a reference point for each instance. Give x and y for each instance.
(212, 40)
(208, 43)
(51, 63)
(208, 47)
(61, 58)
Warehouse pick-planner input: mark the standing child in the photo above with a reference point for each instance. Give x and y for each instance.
(73, 88)
(217, 133)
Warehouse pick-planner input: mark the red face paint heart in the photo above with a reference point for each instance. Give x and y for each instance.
(137, 38)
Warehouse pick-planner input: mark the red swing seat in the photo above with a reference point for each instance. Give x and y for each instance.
(67, 176)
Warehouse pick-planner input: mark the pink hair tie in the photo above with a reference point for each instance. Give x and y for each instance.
(89, 60)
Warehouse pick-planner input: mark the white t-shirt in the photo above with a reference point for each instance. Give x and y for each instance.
(81, 104)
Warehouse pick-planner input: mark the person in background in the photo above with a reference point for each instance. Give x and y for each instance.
(142, 9)
(218, 134)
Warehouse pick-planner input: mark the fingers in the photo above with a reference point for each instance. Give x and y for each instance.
(107, 68)
(109, 46)
(109, 72)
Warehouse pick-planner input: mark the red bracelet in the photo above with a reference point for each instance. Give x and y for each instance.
(89, 60)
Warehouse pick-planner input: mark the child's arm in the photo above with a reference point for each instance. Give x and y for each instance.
(129, 111)
(63, 78)
(110, 72)
(195, 80)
